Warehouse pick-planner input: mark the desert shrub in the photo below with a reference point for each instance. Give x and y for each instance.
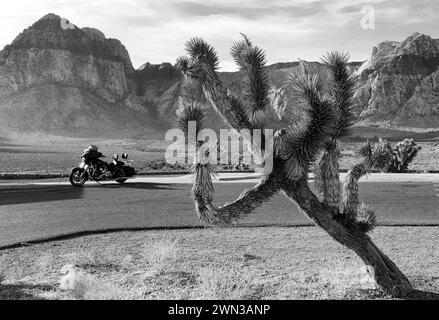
(401, 155)
(158, 165)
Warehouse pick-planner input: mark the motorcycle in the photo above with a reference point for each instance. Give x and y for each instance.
(94, 169)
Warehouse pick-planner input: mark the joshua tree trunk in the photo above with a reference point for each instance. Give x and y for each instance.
(386, 273)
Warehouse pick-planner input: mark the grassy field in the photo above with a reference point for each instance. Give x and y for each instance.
(60, 156)
(251, 263)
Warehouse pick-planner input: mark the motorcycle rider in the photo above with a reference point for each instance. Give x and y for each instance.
(94, 169)
(92, 153)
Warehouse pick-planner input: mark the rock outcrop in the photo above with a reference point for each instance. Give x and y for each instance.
(399, 83)
(59, 79)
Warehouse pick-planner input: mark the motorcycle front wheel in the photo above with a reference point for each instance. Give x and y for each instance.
(78, 177)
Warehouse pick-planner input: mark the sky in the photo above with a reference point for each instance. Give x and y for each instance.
(155, 31)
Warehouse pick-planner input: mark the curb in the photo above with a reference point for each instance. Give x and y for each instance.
(239, 178)
(32, 176)
(79, 234)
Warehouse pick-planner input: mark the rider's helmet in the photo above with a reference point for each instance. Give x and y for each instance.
(115, 157)
(124, 156)
(91, 148)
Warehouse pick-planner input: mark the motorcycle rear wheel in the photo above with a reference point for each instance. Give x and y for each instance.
(78, 177)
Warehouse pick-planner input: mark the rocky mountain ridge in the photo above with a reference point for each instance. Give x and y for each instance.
(71, 80)
(399, 83)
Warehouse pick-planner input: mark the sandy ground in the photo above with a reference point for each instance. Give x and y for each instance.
(246, 263)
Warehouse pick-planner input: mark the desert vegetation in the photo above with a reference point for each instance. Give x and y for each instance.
(401, 155)
(312, 137)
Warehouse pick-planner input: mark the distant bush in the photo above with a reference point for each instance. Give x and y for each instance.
(401, 155)
(162, 165)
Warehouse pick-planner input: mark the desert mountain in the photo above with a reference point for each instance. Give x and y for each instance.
(68, 80)
(399, 83)
(73, 81)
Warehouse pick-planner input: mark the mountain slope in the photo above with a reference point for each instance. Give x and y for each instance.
(54, 79)
(399, 83)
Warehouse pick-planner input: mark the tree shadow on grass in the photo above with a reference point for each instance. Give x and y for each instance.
(24, 151)
(39, 194)
(422, 295)
(22, 291)
(372, 294)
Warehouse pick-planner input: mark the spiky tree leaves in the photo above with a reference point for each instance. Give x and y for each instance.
(341, 90)
(190, 111)
(202, 54)
(255, 86)
(304, 143)
(202, 64)
(366, 219)
(184, 64)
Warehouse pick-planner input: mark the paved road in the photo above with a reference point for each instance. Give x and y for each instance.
(37, 210)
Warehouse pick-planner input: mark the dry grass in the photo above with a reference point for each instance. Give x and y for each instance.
(224, 284)
(255, 263)
(160, 255)
(2, 273)
(89, 287)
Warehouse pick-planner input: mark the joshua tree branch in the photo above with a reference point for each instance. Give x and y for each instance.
(229, 213)
(255, 85)
(328, 177)
(227, 106)
(351, 199)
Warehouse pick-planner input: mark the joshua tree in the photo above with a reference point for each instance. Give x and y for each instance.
(328, 118)
(401, 155)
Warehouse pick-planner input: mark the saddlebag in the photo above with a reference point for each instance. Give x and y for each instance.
(128, 171)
